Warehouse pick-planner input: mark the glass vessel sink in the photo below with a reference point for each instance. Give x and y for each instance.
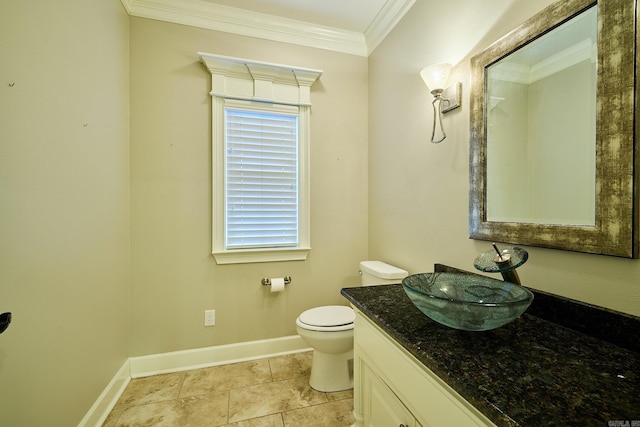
(465, 301)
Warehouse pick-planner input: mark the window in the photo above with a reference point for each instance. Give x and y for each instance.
(261, 174)
(260, 187)
(260, 161)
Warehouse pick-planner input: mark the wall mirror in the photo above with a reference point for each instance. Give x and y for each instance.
(552, 159)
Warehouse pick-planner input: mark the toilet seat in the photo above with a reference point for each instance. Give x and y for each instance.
(328, 318)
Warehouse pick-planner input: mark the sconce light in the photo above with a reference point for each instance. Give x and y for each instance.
(435, 77)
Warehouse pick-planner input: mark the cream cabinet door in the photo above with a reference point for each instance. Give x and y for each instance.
(392, 388)
(382, 408)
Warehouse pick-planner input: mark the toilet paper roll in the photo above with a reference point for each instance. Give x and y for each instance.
(277, 284)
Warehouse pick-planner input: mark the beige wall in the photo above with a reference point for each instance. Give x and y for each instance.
(174, 276)
(83, 300)
(64, 206)
(418, 192)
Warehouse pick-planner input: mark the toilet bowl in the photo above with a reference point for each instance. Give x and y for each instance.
(329, 331)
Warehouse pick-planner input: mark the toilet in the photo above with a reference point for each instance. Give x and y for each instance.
(329, 331)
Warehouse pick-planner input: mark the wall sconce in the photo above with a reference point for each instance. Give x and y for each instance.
(435, 77)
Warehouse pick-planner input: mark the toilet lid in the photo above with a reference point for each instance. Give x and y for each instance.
(330, 315)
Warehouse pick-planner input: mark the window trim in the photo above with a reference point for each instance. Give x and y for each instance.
(270, 87)
(234, 256)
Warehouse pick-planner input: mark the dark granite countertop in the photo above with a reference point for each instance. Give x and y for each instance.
(531, 372)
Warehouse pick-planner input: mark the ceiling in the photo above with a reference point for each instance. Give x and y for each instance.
(350, 15)
(348, 26)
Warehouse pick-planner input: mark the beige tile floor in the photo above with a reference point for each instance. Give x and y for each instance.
(272, 392)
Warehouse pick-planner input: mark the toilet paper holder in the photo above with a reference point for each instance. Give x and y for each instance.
(267, 281)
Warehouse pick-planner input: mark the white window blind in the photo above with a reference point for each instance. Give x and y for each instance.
(261, 176)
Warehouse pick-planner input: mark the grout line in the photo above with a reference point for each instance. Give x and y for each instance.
(228, 406)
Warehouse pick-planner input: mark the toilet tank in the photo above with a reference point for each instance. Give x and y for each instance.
(380, 273)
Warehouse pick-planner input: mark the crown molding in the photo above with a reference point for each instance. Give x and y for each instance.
(387, 19)
(202, 14)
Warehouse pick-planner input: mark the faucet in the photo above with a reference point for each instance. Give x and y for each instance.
(504, 262)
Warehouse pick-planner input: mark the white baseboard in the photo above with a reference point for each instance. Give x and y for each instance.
(153, 364)
(108, 398)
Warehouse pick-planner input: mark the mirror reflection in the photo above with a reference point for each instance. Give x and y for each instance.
(541, 128)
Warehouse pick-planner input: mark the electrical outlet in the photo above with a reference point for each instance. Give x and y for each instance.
(209, 318)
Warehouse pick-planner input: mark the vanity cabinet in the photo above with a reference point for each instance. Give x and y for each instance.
(393, 389)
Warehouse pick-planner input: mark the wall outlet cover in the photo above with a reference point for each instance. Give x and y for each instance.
(209, 318)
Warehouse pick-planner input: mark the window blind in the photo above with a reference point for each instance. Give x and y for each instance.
(261, 179)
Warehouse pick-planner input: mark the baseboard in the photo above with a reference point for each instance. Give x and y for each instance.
(154, 364)
(108, 398)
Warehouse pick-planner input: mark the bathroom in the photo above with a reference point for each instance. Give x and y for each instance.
(106, 190)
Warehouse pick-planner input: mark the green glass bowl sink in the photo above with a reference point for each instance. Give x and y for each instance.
(467, 302)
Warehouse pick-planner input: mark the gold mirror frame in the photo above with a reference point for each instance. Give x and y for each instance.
(616, 225)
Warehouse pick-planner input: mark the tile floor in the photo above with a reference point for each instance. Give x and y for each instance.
(272, 392)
